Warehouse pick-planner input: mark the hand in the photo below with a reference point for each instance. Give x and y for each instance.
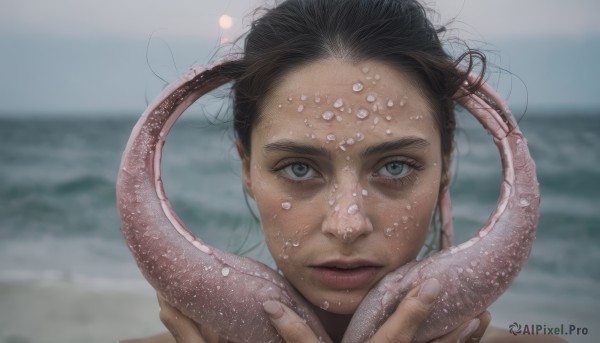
(183, 329)
(400, 327)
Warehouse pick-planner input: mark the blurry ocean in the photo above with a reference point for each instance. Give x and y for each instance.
(67, 276)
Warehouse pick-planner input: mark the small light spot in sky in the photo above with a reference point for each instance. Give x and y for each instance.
(225, 22)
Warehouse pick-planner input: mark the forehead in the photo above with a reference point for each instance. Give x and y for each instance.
(334, 95)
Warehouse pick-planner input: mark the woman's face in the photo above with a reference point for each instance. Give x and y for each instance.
(345, 167)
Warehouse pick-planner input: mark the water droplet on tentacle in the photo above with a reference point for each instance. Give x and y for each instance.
(286, 205)
(225, 271)
(327, 115)
(325, 305)
(300, 108)
(362, 113)
(370, 98)
(523, 202)
(357, 87)
(338, 103)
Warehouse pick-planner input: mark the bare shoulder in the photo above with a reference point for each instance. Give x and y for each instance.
(498, 335)
(162, 338)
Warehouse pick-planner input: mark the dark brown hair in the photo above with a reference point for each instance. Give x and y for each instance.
(398, 32)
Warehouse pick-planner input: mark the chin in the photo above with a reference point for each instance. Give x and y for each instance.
(343, 309)
(343, 303)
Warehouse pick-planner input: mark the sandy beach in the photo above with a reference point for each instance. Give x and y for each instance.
(56, 312)
(65, 311)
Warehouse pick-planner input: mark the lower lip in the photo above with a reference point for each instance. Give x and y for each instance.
(345, 278)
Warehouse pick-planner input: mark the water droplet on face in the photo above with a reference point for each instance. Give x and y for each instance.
(331, 201)
(376, 120)
(409, 207)
(524, 202)
(338, 103)
(330, 137)
(365, 192)
(352, 209)
(370, 98)
(362, 113)
(388, 118)
(300, 108)
(225, 271)
(350, 141)
(359, 136)
(402, 102)
(327, 115)
(388, 132)
(388, 232)
(325, 305)
(279, 106)
(290, 99)
(404, 219)
(286, 205)
(338, 118)
(296, 244)
(357, 87)
(303, 97)
(390, 103)
(365, 70)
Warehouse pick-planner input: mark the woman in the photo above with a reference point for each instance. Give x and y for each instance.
(344, 116)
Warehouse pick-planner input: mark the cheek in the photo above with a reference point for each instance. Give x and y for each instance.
(285, 223)
(405, 222)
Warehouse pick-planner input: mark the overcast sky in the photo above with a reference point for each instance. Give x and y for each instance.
(89, 57)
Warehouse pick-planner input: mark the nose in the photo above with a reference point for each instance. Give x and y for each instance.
(346, 218)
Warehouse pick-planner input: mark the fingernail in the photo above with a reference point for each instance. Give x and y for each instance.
(273, 309)
(468, 331)
(429, 291)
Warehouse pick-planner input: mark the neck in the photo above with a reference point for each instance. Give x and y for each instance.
(335, 324)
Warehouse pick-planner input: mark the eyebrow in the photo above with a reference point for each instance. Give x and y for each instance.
(301, 149)
(403, 143)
